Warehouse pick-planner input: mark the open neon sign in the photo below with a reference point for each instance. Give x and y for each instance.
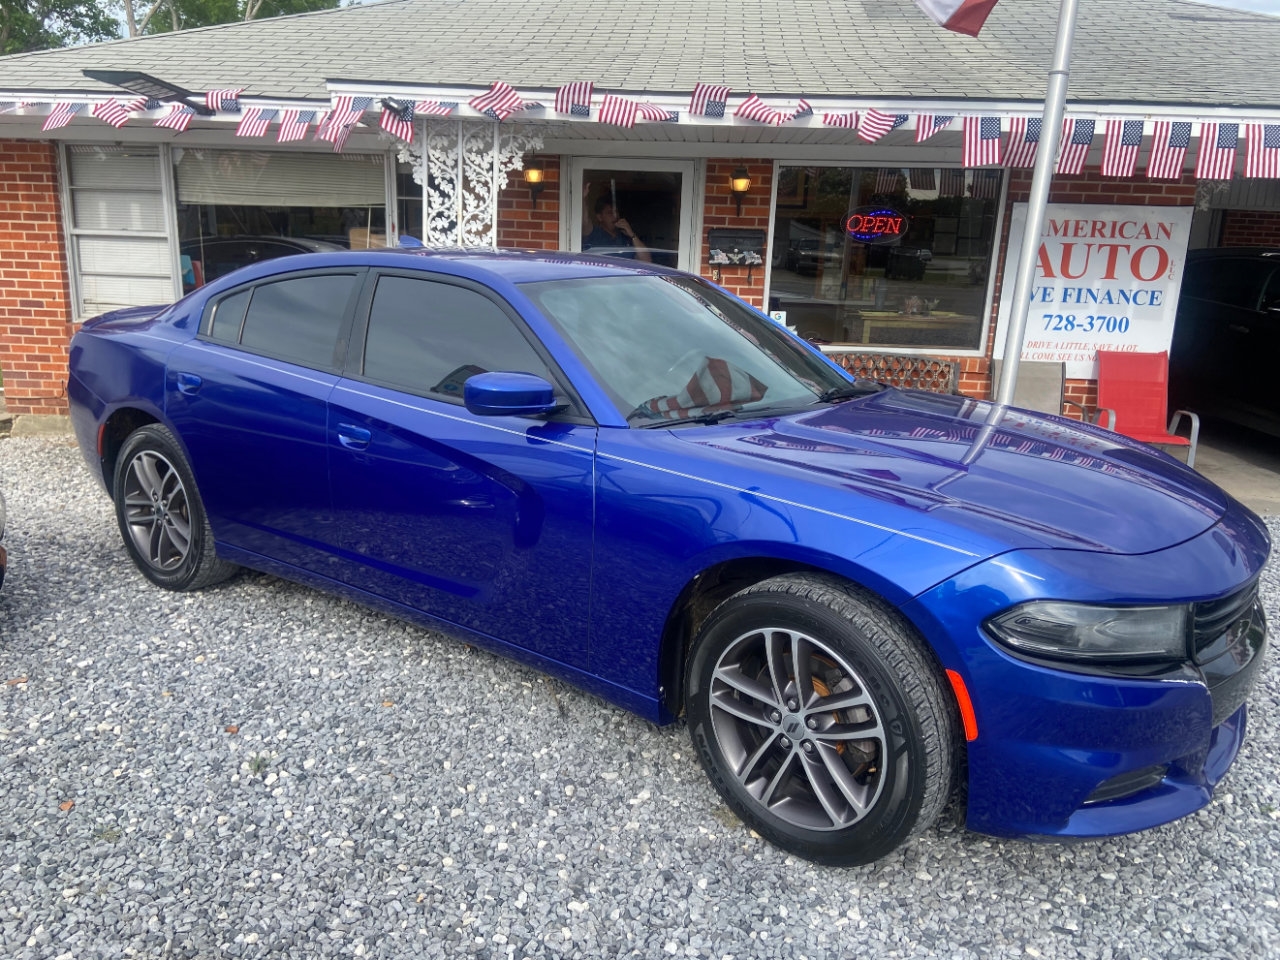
(875, 225)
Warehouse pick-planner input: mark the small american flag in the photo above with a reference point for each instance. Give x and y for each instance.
(753, 108)
(575, 98)
(951, 183)
(618, 111)
(254, 123)
(1217, 157)
(803, 109)
(61, 115)
(293, 125)
(708, 100)
(922, 178)
(346, 113)
(927, 124)
(649, 111)
(887, 180)
(434, 108)
(1024, 141)
(500, 102)
(117, 112)
(397, 118)
(1169, 145)
(1263, 156)
(225, 100)
(986, 184)
(1077, 140)
(178, 118)
(875, 124)
(846, 121)
(981, 141)
(1120, 152)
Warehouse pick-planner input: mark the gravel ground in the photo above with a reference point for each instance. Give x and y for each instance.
(261, 770)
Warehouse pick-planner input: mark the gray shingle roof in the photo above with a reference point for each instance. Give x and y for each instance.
(1126, 51)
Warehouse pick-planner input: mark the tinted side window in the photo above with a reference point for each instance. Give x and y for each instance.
(428, 338)
(228, 315)
(1236, 283)
(299, 319)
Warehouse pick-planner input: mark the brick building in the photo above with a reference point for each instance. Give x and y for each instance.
(122, 207)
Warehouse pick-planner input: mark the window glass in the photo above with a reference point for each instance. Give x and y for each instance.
(926, 287)
(428, 338)
(1237, 283)
(299, 319)
(228, 314)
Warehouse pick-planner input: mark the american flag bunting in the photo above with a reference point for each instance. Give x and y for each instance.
(753, 108)
(178, 118)
(499, 102)
(649, 111)
(293, 125)
(226, 100)
(255, 121)
(708, 100)
(397, 118)
(845, 121)
(346, 113)
(887, 180)
(434, 108)
(618, 111)
(1024, 142)
(1217, 157)
(575, 98)
(922, 178)
(962, 16)
(927, 124)
(1120, 152)
(981, 141)
(986, 184)
(803, 109)
(1262, 158)
(951, 183)
(61, 115)
(117, 112)
(1077, 140)
(876, 124)
(1169, 145)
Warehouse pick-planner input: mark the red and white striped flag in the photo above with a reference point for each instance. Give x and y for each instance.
(575, 98)
(962, 16)
(708, 100)
(927, 124)
(1120, 152)
(1169, 145)
(618, 111)
(254, 123)
(228, 100)
(397, 118)
(753, 108)
(1024, 142)
(117, 112)
(875, 124)
(61, 115)
(499, 102)
(346, 113)
(1217, 157)
(1077, 140)
(887, 180)
(981, 141)
(293, 125)
(434, 108)
(846, 121)
(651, 111)
(178, 118)
(1263, 156)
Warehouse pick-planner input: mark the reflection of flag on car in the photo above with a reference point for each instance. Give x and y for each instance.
(708, 100)
(1077, 140)
(716, 384)
(962, 16)
(875, 124)
(1169, 146)
(1263, 156)
(1217, 157)
(1120, 152)
(927, 124)
(575, 98)
(1024, 140)
(981, 141)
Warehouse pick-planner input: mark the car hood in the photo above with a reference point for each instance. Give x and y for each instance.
(1016, 478)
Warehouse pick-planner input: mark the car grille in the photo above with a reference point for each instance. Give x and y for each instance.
(1229, 635)
(1213, 618)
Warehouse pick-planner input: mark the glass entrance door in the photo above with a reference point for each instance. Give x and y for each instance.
(638, 209)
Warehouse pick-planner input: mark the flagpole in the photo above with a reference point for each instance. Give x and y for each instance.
(1046, 155)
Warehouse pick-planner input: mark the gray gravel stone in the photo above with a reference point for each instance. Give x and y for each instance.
(388, 792)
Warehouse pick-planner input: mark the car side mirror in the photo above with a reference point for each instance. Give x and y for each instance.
(498, 394)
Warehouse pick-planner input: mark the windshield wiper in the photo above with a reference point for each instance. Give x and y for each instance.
(847, 391)
(713, 416)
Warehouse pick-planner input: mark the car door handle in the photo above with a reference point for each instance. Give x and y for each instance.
(353, 437)
(189, 383)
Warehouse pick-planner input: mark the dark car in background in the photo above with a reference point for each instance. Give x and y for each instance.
(1226, 339)
(207, 258)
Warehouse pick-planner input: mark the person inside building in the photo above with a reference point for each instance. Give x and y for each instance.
(613, 236)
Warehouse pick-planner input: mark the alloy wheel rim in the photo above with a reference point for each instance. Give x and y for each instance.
(156, 511)
(798, 729)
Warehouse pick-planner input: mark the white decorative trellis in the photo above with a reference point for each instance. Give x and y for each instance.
(462, 165)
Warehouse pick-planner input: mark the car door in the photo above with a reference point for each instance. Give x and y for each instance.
(249, 399)
(485, 522)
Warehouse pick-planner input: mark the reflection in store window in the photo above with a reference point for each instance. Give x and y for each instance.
(925, 289)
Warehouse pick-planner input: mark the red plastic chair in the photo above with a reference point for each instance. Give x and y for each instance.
(1134, 389)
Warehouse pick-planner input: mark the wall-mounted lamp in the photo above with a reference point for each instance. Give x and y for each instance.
(740, 183)
(534, 175)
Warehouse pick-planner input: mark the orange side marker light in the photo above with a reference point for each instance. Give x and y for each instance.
(966, 705)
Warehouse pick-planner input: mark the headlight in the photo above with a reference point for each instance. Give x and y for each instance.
(1076, 631)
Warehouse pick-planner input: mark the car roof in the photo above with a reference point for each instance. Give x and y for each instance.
(1239, 253)
(514, 266)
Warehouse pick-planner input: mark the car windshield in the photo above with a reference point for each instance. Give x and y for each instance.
(670, 348)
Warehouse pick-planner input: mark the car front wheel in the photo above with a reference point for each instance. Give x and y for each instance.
(160, 513)
(820, 719)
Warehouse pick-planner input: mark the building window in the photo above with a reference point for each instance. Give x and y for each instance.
(925, 288)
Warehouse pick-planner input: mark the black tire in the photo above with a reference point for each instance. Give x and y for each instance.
(863, 760)
(161, 515)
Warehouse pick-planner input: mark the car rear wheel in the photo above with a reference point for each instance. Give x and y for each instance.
(820, 718)
(161, 516)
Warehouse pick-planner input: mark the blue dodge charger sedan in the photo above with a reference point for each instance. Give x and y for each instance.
(864, 601)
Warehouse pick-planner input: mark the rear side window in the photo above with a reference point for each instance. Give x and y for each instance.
(300, 319)
(1236, 283)
(427, 338)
